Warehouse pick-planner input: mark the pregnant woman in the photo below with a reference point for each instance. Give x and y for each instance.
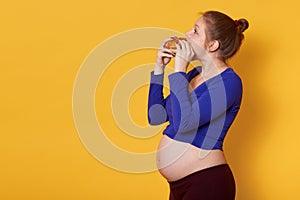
(200, 108)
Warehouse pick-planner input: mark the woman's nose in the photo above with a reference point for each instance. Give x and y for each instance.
(187, 34)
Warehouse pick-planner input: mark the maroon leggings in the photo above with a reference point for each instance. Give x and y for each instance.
(214, 183)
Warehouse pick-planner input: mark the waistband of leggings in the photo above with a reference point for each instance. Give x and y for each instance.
(200, 171)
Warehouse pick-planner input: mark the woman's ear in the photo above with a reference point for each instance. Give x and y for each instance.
(213, 45)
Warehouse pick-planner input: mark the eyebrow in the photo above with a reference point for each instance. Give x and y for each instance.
(196, 25)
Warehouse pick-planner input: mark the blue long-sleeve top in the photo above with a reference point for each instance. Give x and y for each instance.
(202, 116)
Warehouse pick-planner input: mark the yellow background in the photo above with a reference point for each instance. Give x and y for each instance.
(43, 44)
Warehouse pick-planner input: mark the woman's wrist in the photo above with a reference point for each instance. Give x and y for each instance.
(181, 68)
(159, 69)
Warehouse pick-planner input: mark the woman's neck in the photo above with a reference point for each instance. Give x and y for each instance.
(212, 66)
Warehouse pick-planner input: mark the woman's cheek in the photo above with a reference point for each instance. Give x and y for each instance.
(198, 49)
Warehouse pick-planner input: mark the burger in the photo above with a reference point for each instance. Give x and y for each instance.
(171, 44)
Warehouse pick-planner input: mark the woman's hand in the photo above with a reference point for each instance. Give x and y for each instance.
(184, 55)
(164, 56)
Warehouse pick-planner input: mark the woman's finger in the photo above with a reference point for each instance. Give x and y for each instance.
(166, 55)
(178, 46)
(165, 50)
(184, 44)
(179, 49)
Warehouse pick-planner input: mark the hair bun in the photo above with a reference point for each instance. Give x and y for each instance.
(243, 24)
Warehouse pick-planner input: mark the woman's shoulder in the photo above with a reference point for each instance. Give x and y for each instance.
(232, 81)
(228, 78)
(232, 76)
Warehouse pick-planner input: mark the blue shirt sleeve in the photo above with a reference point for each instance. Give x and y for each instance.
(189, 111)
(156, 102)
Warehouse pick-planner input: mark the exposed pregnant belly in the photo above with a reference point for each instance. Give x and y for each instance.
(176, 159)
